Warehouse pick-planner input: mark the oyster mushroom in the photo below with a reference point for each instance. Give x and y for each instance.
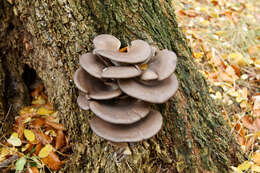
(120, 72)
(106, 42)
(143, 72)
(92, 64)
(122, 111)
(149, 75)
(83, 102)
(138, 52)
(95, 88)
(156, 92)
(163, 65)
(80, 80)
(143, 129)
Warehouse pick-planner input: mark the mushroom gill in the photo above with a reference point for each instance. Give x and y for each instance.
(106, 74)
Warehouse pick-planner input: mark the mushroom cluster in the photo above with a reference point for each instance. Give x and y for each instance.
(118, 87)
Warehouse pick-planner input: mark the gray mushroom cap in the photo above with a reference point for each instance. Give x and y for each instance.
(138, 52)
(120, 72)
(83, 102)
(149, 75)
(122, 111)
(92, 64)
(158, 92)
(143, 129)
(95, 88)
(80, 80)
(163, 64)
(106, 42)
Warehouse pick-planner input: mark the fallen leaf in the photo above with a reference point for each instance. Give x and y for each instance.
(255, 168)
(60, 140)
(29, 135)
(14, 140)
(39, 101)
(45, 151)
(38, 148)
(32, 170)
(124, 49)
(256, 158)
(247, 121)
(24, 148)
(19, 164)
(43, 138)
(52, 161)
(198, 55)
(44, 111)
(37, 123)
(55, 125)
(238, 59)
(19, 126)
(244, 166)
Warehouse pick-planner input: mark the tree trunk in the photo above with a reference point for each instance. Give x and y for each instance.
(49, 36)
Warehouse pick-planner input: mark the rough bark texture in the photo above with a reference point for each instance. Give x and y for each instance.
(50, 35)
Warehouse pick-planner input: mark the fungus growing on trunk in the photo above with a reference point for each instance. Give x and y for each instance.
(116, 88)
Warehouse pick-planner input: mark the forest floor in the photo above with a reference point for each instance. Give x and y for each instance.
(224, 36)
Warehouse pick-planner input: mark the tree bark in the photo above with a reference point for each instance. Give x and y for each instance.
(49, 36)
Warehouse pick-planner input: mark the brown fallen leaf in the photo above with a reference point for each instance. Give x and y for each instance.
(38, 148)
(32, 170)
(37, 123)
(60, 140)
(43, 138)
(54, 125)
(52, 161)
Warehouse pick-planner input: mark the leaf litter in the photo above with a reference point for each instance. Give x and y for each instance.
(224, 36)
(38, 142)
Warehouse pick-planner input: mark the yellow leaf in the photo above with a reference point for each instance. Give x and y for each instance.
(14, 140)
(238, 59)
(29, 135)
(198, 55)
(25, 147)
(44, 111)
(255, 168)
(39, 101)
(244, 166)
(26, 110)
(15, 135)
(256, 156)
(5, 151)
(143, 67)
(219, 33)
(45, 151)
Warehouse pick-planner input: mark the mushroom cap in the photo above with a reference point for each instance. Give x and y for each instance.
(143, 129)
(83, 102)
(158, 92)
(163, 64)
(120, 72)
(80, 80)
(106, 42)
(149, 75)
(95, 88)
(122, 111)
(138, 52)
(92, 64)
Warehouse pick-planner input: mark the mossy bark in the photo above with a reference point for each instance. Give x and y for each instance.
(49, 36)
